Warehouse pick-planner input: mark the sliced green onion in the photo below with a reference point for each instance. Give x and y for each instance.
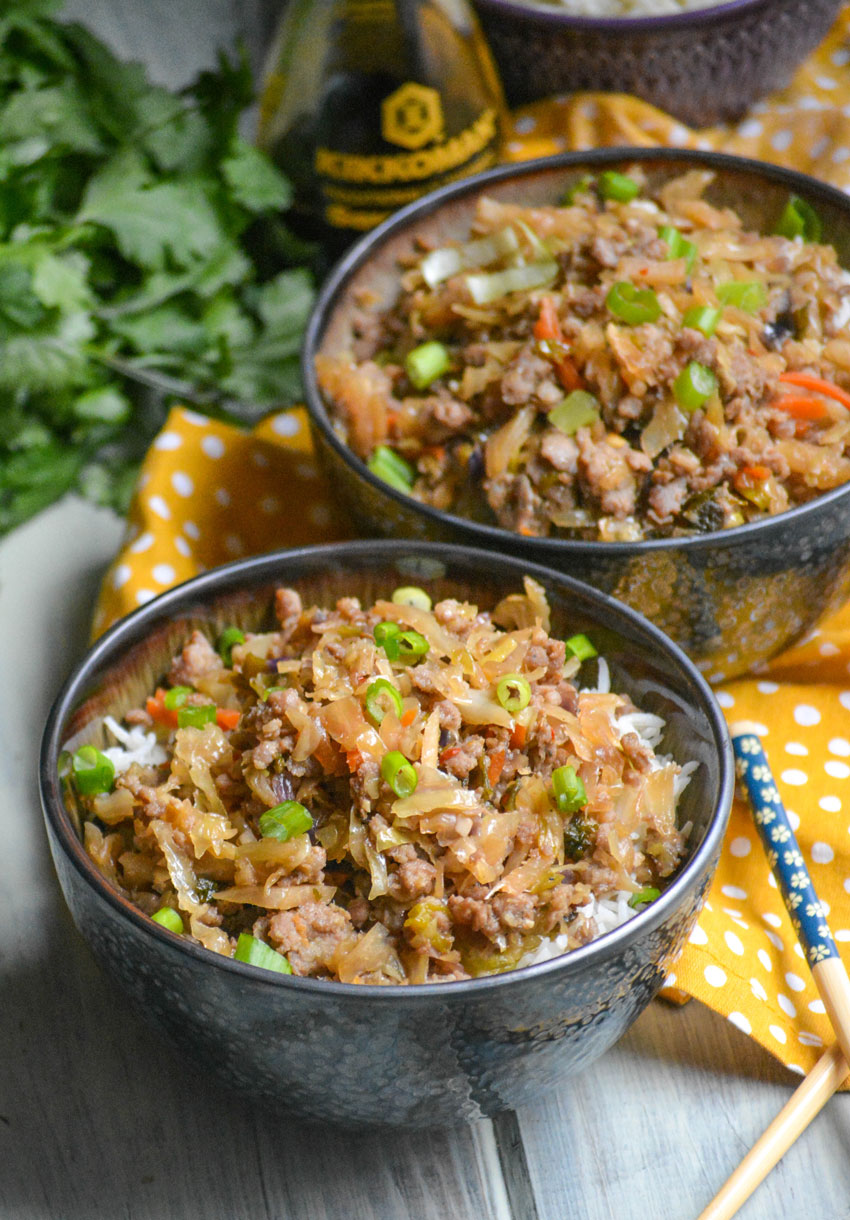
(581, 647)
(643, 897)
(285, 821)
(678, 246)
(570, 792)
(93, 772)
(578, 410)
(694, 386)
(748, 295)
(584, 184)
(620, 187)
(169, 918)
(378, 694)
(392, 468)
(176, 697)
(490, 286)
(426, 363)
(257, 953)
(411, 595)
(410, 646)
(634, 305)
(386, 634)
(703, 318)
(399, 773)
(442, 264)
(225, 642)
(196, 717)
(745, 294)
(799, 220)
(513, 693)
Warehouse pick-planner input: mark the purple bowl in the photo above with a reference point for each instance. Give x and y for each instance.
(704, 66)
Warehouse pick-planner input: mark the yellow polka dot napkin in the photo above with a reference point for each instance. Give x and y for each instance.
(209, 493)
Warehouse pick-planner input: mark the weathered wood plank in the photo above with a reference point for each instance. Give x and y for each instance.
(659, 1123)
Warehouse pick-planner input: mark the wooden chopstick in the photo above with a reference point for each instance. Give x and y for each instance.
(828, 972)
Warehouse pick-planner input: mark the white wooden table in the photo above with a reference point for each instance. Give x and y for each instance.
(100, 1121)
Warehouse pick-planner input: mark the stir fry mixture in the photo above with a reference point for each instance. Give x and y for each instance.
(396, 794)
(621, 366)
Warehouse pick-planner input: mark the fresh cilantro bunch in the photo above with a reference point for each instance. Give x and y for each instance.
(141, 257)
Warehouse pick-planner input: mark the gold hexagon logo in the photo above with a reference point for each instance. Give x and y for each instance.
(412, 116)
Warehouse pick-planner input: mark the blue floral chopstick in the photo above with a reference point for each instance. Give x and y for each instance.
(780, 844)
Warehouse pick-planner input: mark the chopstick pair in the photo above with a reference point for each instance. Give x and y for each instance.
(828, 972)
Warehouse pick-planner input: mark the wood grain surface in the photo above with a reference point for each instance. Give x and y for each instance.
(99, 1120)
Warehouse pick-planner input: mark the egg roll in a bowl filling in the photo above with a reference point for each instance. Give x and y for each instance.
(386, 794)
(628, 363)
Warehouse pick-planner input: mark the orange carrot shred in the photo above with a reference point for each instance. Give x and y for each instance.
(518, 736)
(807, 381)
(226, 718)
(494, 770)
(802, 408)
(408, 717)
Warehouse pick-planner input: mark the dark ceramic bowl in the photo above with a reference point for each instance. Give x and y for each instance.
(704, 66)
(426, 1055)
(731, 599)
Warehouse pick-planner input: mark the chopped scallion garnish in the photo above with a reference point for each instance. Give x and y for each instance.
(176, 697)
(226, 641)
(285, 821)
(513, 693)
(581, 647)
(616, 186)
(569, 790)
(425, 363)
(256, 952)
(578, 410)
(411, 595)
(170, 919)
(93, 772)
(678, 246)
(799, 219)
(747, 295)
(382, 697)
(410, 646)
(703, 318)
(642, 898)
(694, 386)
(399, 774)
(392, 468)
(196, 717)
(633, 305)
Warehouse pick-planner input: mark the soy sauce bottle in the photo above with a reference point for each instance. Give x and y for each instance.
(369, 104)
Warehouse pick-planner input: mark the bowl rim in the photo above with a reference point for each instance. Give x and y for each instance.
(266, 569)
(546, 550)
(549, 14)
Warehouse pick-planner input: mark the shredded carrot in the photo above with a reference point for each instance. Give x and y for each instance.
(226, 718)
(802, 408)
(158, 712)
(408, 717)
(392, 419)
(547, 325)
(526, 531)
(518, 736)
(353, 759)
(449, 753)
(547, 328)
(755, 472)
(807, 381)
(496, 766)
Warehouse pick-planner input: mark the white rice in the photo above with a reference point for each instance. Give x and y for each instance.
(136, 746)
(631, 8)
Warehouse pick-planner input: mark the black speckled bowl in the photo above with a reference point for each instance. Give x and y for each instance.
(704, 66)
(731, 599)
(428, 1055)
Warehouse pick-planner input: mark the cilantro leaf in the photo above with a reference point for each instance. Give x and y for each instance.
(254, 181)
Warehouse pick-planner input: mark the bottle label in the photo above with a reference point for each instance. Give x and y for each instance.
(361, 191)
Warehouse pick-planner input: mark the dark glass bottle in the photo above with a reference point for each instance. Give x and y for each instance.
(370, 103)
